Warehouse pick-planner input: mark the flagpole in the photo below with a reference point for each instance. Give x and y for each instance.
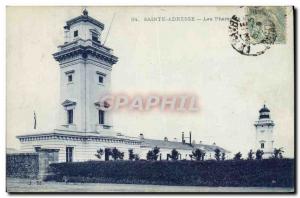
(34, 118)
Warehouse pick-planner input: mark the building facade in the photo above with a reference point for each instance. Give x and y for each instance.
(264, 132)
(83, 127)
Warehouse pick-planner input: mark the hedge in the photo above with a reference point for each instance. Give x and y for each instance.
(256, 173)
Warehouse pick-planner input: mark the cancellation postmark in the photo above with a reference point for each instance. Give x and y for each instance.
(260, 28)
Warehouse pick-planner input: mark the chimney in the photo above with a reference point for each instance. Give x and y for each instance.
(200, 142)
(214, 144)
(165, 139)
(182, 139)
(141, 136)
(190, 138)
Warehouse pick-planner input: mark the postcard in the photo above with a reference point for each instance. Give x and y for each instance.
(150, 99)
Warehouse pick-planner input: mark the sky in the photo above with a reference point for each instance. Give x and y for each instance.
(162, 57)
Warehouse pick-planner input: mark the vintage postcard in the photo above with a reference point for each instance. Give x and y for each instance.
(150, 99)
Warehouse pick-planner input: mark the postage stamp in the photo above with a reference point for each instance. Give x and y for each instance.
(267, 23)
(258, 30)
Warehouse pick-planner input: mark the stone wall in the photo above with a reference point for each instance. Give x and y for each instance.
(30, 165)
(23, 165)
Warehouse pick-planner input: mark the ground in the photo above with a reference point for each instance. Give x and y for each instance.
(23, 185)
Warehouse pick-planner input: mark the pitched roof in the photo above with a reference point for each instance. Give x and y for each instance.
(165, 144)
(210, 148)
(179, 145)
(85, 18)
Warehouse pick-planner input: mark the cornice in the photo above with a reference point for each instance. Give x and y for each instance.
(84, 52)
(57, 136)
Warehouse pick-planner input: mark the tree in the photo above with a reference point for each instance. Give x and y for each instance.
(99, 153)
(198, 154)
(174, 154)
(259, 154)
(133, 156)
(238, 156)
(250, 155)
(223, 157)
(277, 154)
(153, 154)
(217, 154)
(116, 154)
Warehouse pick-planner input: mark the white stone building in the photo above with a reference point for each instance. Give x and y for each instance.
(85, 74)
(264, 132)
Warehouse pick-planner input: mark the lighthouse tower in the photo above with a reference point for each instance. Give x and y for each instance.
(264, 132)
(85, 75)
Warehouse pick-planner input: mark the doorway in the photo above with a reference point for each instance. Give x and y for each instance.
(69, 154)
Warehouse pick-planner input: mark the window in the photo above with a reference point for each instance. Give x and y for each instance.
(37, 148)
(69, 154)
(100, 79)
(95, 37)
(101, 116)
(69, 75)
(262, 145)
(70, 116)
(70, 78)
(75, 33)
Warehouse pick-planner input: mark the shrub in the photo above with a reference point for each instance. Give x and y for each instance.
(259, 154)
(250, 155)
(217, 154)
(238, 156)
(174, 155)
(153, 154)
(99, 153)
(277, 154)
(223, 156)
(198, 154)
(132, 156)
(116, 154)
